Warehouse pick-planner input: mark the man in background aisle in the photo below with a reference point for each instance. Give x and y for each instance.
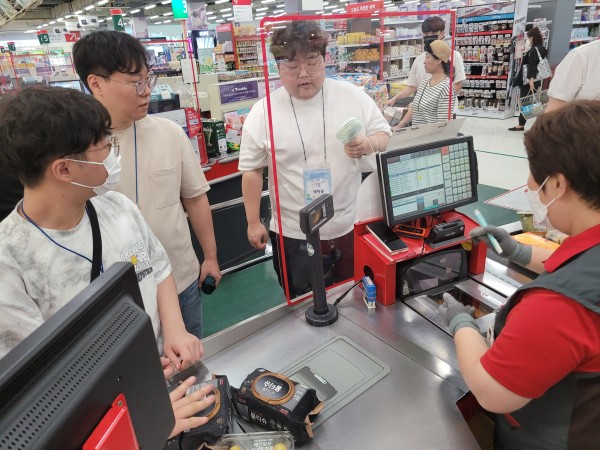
(307, 111)
(160, 172)
(576, 77)
(433, 29)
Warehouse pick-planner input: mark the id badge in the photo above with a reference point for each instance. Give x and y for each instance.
(317, 182)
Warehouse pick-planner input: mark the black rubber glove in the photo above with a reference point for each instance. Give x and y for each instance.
(512, 250)
(456, 315)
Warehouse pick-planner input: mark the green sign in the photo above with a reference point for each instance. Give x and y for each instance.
(118, 23)
(43, 38)
(179, 8)
(11, 47)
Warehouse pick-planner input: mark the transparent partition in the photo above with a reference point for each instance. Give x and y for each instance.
(333, 68)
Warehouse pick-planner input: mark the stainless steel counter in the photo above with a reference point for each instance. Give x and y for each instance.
(412, 407)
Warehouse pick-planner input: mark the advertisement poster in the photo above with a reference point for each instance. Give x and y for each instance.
(205, 59)
(242, 10)
(197, 19)
(139, 25)
(236, 92)
(192, 119)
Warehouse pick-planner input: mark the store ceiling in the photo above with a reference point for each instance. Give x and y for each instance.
(219, 11)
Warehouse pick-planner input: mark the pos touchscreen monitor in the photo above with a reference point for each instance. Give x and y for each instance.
(60, 381)
(427, 179)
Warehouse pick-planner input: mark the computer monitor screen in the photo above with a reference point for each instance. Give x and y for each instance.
(74, 84)
(427, 179)
(58, 383)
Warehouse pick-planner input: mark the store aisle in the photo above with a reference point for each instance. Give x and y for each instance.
(500, 153)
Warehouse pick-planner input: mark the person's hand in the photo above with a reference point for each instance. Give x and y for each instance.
(456, 315)
(532, 84)
(257, 235)
(511, 249)
(359, 146)
(182, 348)
(400, 125)
(210, 267)
(391, 101)
(167, 367)
(185, 406)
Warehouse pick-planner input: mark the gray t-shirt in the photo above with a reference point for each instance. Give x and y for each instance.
(37, 277)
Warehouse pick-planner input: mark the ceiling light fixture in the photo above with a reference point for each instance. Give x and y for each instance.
(169, 14)
(89, 7)
(167, 21)
(149, 6)
(218, 2)
(153, 17)
(78, 12)
(134, 11)
(102, 2)
(165, 2)
(261, 9)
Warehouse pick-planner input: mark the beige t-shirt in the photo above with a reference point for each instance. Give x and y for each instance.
(167, 170)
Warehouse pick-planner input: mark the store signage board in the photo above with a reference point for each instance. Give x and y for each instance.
(180, 9)
(72, 37)
(11, 47)
(117, 19)
(312, 5)
(43, 37)
(237, 92)
(368, 7)
(242, 10)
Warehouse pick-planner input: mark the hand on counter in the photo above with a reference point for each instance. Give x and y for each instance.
(511, 249)
(185, 406)
(456, 315)
(182, 349)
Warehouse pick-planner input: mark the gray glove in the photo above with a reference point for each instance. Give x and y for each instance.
(456, 315)
(512, 250)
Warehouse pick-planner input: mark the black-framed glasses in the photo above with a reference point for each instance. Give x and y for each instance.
(140, 86)
(293, 68)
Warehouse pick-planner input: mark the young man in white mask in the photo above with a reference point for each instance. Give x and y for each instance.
(57, 142)
(542, 371)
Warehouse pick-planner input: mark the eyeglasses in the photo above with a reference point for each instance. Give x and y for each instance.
(113, 145)
(140, 86)
(293, 68)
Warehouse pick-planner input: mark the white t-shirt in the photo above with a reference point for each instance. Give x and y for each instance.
(417, 72)
(38, 277)
(577, 76)
(167, 170)
(341, 101)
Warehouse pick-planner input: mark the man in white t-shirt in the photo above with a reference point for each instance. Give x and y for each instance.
(433, 28)
(307, 111)
(161, 175)
(576, 77)
(46, 243)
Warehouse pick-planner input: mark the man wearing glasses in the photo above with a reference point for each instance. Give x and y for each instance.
(160, 174)
(307, 112)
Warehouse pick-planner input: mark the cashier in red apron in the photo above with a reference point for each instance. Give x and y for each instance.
(541, 374)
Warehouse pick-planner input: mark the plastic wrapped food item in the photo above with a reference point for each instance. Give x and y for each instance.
(273, 440)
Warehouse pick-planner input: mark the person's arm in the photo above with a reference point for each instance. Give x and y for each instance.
(554, 104)
(182, 348)
(366, 145)
(406, 119)
(200, 216)
(491, 395)
(406, 92)
(186, 406)
(457, 87)
(252, 183)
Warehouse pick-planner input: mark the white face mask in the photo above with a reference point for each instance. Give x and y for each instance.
(540, 211)
(112, 164)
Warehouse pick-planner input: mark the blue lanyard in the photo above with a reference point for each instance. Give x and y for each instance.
(56, 243)
(137, 198)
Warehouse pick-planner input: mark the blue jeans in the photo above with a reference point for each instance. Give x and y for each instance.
(190, 303)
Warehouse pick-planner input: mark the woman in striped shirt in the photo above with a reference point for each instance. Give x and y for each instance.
(432, 100)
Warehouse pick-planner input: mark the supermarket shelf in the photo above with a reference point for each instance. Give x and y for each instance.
(583, 39)
(397, 77)
(396, 58)
(586, 22)
(359, 45)
(484, 33)
(480, 77)
(586, 5)
(407, 38)
(401, 22)
(246, 38)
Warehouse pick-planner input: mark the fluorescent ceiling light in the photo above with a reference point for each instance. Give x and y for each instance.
(78, 12)
(219, 21)
(124, 14)
(100, 20)
(157, 23)
(208, 13)
(218, 2)
(102, 2)
(261, 9)
(38, 27)
(68, 17)
(226, 15)
(165, 2)
(44, 24)
(325, 3)
(344, 1)
(30, 31)
(339, 10)
(167, 21)
(170, 14)
(53, 22)
(134, 11)
(149, 6)
(89, 7)
(331, 7)
(154, 17)
(224, 10)
(266, 2)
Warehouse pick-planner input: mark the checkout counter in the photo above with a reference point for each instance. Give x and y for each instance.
(393, 368)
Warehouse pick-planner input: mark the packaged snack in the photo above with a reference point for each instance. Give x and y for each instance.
(272, 440)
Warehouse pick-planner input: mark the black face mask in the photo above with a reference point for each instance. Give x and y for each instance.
(429, 39)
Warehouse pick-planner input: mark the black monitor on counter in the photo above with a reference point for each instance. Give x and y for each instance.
(59, 383)
(427, 179)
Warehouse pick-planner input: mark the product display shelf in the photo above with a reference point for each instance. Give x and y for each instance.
(586, 24)
(484, 41)
(403, 43)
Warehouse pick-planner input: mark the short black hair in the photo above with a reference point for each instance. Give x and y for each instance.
(41, 124)
(106, 52)
(299, 36)
(563, 141)
(433, 24)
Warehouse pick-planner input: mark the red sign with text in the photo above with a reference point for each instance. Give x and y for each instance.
(368, 7)
(242, 2)
(73, 36)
